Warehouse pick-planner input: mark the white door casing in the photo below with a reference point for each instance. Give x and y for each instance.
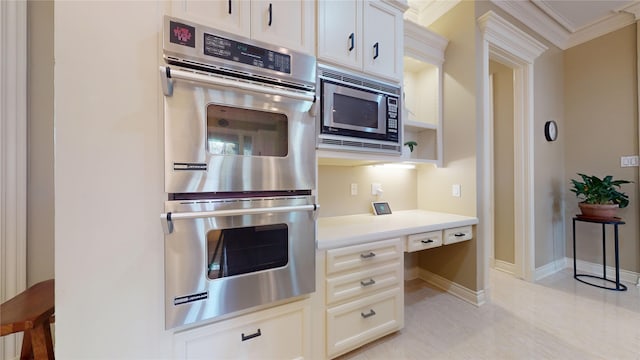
(505, 43)
(13, 159)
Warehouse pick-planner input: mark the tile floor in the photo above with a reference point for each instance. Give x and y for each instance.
(555, 318)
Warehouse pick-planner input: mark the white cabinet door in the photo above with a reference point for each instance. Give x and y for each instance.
(382, 49)
(340, 32)
(286, 23)
(227, 15)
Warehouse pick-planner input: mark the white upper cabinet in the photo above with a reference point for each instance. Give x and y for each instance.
(363, 35)
(230, 16)
(383, 40)
(289, 23)
(339, 32)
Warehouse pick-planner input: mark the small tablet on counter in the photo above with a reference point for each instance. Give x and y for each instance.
(381, 208)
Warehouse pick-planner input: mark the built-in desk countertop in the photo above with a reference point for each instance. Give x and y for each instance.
(339, 231)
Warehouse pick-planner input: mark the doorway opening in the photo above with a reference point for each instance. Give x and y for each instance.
(506, 44)
(501, 94)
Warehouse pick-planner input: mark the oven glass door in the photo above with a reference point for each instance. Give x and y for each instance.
(353, 110)
(219, 138)
(247, 132)
(244, 250)
(227, 255)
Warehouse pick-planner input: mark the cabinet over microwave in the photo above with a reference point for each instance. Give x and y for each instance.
(358, 113)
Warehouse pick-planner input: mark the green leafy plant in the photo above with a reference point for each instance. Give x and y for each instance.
(411, 145)
(593, 190)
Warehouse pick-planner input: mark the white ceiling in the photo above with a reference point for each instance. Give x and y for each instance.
(565, 23)
(575, 15)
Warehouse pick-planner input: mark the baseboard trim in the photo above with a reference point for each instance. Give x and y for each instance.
(504, 266)
(596, 269)
(473, 297)
(551, 268)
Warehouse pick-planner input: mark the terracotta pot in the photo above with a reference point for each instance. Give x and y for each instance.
(607, 211)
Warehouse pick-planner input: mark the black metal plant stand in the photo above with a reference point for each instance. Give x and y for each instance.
(615, 222)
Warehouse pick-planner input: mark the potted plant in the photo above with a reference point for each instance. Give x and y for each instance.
(600, 197)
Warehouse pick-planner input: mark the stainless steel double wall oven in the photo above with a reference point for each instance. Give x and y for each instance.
(239, 173)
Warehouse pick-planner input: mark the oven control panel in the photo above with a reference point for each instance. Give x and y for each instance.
(247, 54)
(223, 47)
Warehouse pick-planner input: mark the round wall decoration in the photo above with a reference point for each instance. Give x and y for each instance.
(551, 130)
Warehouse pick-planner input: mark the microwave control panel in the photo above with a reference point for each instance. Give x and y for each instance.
(392, 115)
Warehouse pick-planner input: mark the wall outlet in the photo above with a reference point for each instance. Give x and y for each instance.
(629, 161)
(354, 189)
(456, 190)
(376, 189)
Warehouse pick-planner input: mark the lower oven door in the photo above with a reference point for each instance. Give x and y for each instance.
(223, 256)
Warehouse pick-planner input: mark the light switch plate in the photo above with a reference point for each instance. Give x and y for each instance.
(629, 161)
(455, 190)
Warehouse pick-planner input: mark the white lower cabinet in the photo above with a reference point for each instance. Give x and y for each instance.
(361, 321)
(458, 234)
(364, 294)
(282, 332)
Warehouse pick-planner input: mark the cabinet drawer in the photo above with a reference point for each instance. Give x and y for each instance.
(353, 257)
(458, 234)
(363, 282)
(428, 240)
(359, 322)
(277, 333)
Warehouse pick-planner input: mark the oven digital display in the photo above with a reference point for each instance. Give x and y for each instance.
(246, 54)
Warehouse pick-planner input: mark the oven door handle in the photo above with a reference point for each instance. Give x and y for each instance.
(168, 75)
(167, 218)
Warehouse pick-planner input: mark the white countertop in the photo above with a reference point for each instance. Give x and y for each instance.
(348, 230)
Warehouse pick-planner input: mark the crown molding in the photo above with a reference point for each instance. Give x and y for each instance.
(507, 36)
(551, 29)
(609, 24)
(537, 20)
(423, 44)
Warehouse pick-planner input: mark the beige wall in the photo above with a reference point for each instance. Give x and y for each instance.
(549, 181)
(109, 190)
(601, 124)
(334, 189)
(503, 154)
(457, 262)
(40, 229)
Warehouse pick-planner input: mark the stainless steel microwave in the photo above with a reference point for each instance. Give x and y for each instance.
(358, 113)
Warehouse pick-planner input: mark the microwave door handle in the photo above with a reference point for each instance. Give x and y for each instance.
(169, 75)
(167, 218)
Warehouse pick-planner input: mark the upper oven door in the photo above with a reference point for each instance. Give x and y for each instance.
(223, 256)
(353, 109)
(225, 135)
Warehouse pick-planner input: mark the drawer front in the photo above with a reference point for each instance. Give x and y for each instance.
(359, 322)
(279, 335)
(363, 282)
(458, 234)
(428, 240)
(353, 257)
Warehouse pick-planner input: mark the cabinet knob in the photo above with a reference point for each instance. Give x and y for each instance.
(368, 256)
(352, 38)
(458, 234)
(270, 13)
(251, 336)
(229, 6)
(369, 314)
(375, 51)
(428, 241)
(367, 283)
